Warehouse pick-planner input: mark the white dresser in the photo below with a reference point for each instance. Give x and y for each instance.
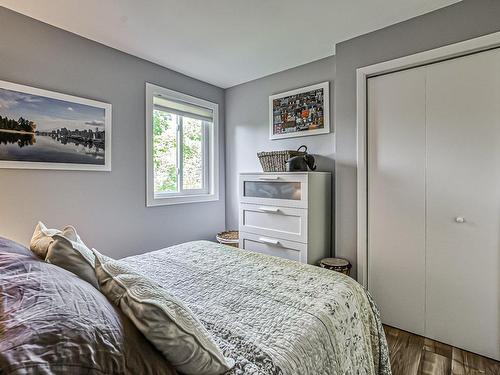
(286, 214)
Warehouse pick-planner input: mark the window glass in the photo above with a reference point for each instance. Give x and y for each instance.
(165, 151)
(193, 150)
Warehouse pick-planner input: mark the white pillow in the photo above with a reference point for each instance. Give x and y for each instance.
(41, 239)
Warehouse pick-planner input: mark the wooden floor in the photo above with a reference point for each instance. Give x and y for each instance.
(416, 355)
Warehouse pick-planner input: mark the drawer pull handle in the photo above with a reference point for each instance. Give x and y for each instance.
(269, 177)
(269, 241)
(269, 209)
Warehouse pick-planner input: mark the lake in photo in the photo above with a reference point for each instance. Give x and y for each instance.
(48, 149)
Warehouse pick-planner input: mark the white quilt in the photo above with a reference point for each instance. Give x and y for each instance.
(272, 315)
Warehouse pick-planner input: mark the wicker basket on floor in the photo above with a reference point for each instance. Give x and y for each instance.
(336, 264)
(275, 161)
(230, 238)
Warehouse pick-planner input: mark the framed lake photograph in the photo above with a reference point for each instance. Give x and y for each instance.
(42, 129)
(300, 112)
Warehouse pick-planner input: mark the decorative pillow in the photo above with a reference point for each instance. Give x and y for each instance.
(69, 252)
(163, 319)
(41, 239)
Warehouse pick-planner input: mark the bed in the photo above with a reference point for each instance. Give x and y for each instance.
(270, 315)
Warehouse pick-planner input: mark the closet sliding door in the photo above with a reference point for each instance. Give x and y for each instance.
(463, 202)
(396, 197)
(434, 200)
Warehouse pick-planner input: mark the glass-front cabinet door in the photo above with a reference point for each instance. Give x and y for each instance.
(274, 189)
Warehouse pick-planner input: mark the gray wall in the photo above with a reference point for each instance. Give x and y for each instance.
(247, 125)
(458, 22)
(108, 208)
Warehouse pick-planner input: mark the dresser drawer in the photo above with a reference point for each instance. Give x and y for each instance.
(274, 246)
(274, 189)
(282, 222)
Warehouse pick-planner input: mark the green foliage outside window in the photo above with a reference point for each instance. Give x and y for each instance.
(193, 154)
(165, 152)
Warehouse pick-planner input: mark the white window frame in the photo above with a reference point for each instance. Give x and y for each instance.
(210, 192)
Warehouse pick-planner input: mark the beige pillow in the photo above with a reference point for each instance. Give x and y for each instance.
(163, 319)
(69, 252)
(41, 239)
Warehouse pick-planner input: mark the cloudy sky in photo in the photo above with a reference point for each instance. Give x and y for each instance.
(48, 113)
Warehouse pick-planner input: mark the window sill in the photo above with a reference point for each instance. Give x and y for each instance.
(167, 201)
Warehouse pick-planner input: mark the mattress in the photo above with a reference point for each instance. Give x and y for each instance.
(272, 315)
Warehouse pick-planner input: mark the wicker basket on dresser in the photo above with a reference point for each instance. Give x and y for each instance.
(286, 214)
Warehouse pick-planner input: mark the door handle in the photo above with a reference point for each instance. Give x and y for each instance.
(269, 209)
(271, 178)
(269, 241)
(460, 219)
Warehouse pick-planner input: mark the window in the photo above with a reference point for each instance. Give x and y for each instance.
(182, 148)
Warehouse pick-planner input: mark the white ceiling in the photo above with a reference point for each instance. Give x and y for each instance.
(224, 42)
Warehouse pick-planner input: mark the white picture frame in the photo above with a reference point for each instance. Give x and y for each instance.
(17, 99)
(320, 90)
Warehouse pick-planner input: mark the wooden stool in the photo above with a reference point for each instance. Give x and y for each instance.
(336, 264)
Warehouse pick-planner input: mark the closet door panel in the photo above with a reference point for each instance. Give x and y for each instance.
(396, 197)
(463, 203)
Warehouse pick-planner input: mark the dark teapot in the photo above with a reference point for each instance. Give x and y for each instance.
(301, 163)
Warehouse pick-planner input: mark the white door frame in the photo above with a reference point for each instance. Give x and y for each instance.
(424, 58)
